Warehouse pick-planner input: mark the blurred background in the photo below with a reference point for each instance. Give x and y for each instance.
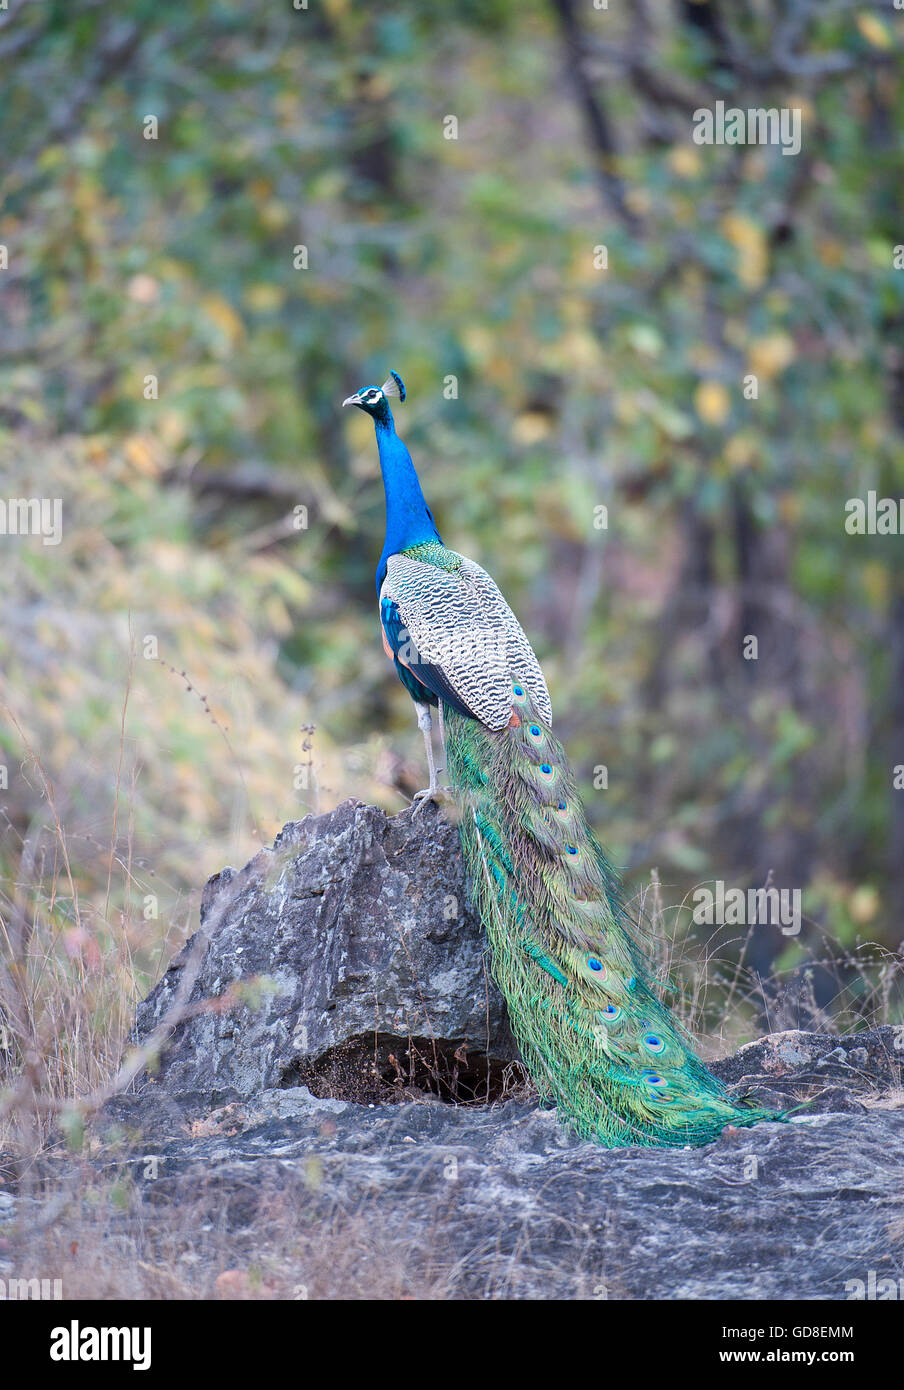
(264, 208)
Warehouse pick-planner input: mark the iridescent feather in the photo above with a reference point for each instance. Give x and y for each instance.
(592, 1029)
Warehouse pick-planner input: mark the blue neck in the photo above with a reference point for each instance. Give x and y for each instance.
(408, 518)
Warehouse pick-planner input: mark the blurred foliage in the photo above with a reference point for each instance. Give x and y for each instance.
(578, 386)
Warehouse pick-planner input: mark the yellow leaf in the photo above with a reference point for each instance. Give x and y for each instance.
(626, 408)
(804, 104)
(264, 298)
(770, 355)
(530, 427)
(172, 427)
(277, 616)
(749, 241)
(740, 451)
(578, 349)
(712, 402)
(221, 312)
(478, 344)
(685, 162)
(638, 200)
(874, 578)
(830, 252)
(863, 904)
(140, 456)
(96, 450)
(51, 158)
(274, 215)
(873, 30)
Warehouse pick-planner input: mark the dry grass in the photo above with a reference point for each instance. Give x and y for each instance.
(107, 1239)
(68, 983)
(73, 965)
(722, 1000)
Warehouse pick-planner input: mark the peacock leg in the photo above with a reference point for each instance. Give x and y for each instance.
(442, 734)
(425, 724)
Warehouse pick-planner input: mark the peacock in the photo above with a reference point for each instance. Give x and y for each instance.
(573, 967)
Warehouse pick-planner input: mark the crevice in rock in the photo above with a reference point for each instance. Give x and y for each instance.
(386, 1069)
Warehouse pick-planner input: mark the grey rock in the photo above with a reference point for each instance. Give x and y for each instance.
(501, 1202)
(832, 1073)
(370, 969)
(256, 1124)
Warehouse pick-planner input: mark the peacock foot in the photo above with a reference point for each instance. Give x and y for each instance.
(430, 794)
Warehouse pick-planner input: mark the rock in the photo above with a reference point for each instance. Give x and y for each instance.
(785, 1067)
(269, 1123)
(360, 964)
(499, 1201)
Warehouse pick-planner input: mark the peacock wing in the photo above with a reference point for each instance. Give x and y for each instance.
(461, 628)
(522, 659)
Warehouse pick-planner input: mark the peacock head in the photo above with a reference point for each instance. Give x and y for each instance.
(374, 399)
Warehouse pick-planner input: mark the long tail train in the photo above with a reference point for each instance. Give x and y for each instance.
(595, 1036)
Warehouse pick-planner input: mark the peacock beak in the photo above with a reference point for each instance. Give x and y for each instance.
(353, 400)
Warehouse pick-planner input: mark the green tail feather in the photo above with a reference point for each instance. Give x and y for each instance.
(593, 1032)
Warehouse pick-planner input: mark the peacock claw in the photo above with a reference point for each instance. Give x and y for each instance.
(429, 794)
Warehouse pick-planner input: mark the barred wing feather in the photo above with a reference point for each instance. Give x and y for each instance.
(458, 621)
